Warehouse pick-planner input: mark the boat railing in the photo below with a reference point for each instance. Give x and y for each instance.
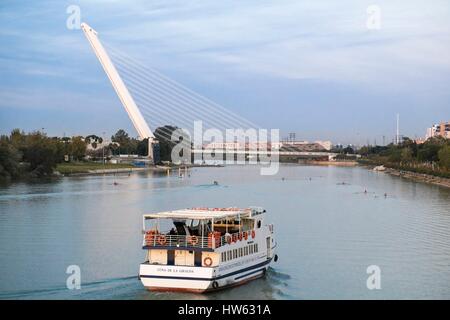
(155, 239)
(183, 241)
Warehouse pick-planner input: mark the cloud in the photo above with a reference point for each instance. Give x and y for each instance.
(323, 41)
(211, 42)
(51, 99)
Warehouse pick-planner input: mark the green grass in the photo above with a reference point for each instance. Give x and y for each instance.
(84, 167)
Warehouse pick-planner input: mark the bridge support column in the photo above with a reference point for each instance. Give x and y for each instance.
(153, 150)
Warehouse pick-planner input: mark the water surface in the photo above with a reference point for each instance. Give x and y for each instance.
(328, 232)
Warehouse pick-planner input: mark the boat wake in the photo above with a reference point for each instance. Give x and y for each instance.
(88, 290)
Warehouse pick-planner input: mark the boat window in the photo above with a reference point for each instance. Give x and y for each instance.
(240, 252)
(228, 255)
(251, 249)
(259, 224)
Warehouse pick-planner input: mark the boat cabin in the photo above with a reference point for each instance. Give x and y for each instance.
(197, 236)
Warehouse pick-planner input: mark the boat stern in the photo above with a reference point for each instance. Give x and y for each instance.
(156, 277)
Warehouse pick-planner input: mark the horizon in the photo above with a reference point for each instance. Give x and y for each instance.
(313, 69)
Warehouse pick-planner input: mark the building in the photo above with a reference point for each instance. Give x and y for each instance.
(316, 145)
(96, 145)
(327, 145)
(285, 145)
(439, 130)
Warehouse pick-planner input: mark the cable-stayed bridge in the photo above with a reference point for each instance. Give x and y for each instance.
(151, 97)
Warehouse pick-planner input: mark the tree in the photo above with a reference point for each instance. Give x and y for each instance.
(428, 151)
(407, 143)
(17, 139)
(126, 144)
(9, 159)
(406, 154)
(444, 156)
(163, 135)
(41, 153)
(93, 140)
(395, 155)
(142, 147)
(78, 148)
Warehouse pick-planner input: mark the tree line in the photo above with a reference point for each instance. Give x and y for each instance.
(35, 154)
(430, 157)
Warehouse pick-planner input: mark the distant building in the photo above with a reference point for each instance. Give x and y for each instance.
(420, 140)
(291, 145)
(99, 145)
(316, 145)
(439, 130)
(325, 144)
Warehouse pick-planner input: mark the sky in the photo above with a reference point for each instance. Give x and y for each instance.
(309, 67)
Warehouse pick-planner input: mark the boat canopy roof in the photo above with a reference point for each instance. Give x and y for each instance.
(205, 213)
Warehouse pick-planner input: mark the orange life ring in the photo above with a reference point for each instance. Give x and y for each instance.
(162, 240)
(240, 236)
(207, 261)
(245, 235)
(193, 240)
(150, 236)
(253, 234)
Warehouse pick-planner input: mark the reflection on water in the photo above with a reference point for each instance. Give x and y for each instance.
(331, 224)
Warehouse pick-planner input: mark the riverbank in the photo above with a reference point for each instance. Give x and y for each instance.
(393, 169)
(111, 171)
(421, 177)
(332, 163)
(87, 169)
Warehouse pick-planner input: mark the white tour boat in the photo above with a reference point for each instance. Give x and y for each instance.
(205, 249)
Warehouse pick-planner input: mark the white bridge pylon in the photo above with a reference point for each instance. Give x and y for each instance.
(124, 95)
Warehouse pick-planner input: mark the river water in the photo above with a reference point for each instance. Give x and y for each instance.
(328, 233)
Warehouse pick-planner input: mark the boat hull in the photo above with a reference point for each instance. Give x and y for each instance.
(197, 279)
(209, 289)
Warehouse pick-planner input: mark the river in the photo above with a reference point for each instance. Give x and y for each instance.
(328, 232)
